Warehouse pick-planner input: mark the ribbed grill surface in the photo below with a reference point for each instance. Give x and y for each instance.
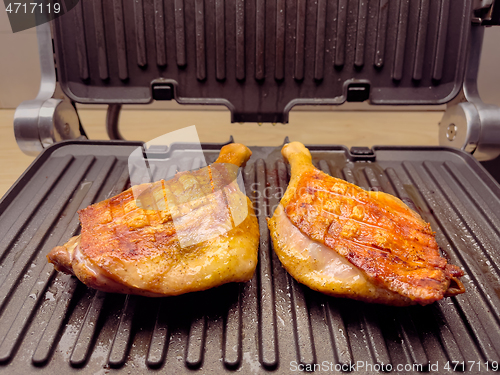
(261, 57)
(52, 323)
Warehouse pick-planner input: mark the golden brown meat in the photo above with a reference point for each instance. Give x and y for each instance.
(193, 232)
(341, 240)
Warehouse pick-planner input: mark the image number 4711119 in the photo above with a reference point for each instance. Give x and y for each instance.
(25, 14)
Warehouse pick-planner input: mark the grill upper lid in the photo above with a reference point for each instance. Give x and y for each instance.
(261, 58)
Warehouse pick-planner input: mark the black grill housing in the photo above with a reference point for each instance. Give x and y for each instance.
(52, 323)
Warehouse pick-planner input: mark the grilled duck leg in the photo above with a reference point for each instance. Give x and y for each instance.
(191, 233)
(344, 241)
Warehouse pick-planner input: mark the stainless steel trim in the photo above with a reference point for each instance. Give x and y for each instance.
(50, 117)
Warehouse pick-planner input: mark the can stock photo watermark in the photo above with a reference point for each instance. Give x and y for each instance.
(170, 176)
(363, 367)
(331, 367)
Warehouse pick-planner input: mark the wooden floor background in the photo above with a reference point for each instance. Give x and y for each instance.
(361, 128)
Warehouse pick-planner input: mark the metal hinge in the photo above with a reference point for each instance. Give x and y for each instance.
(50, 117)
(468, 123)
(486, 12)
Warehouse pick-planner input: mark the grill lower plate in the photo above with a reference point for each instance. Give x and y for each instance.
(50, 322)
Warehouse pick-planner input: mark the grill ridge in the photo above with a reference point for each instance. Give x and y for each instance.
(159, 338)
(9, 237)
(267, 327)
(53, 329)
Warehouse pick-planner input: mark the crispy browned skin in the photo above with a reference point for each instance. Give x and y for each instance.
(187, 234)
(374, 231)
